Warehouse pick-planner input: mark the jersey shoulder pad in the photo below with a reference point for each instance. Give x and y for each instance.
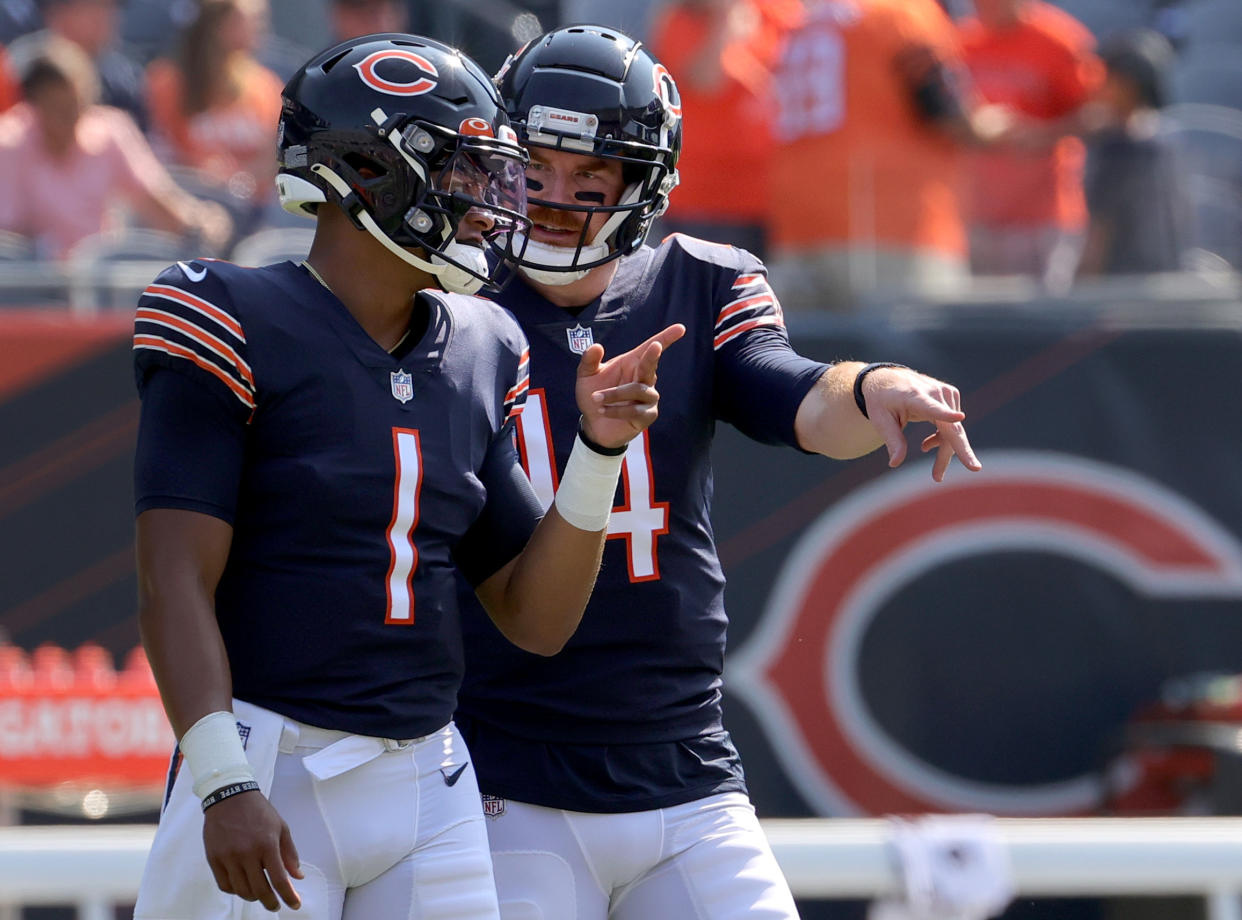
(187, 318)
(490, 328)
(484, 320)
(719, 254)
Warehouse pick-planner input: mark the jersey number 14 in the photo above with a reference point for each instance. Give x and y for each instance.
(639, 519)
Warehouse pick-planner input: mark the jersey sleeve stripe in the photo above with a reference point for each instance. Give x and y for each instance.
(198, 304)
(523, 378)
(515, 398)
(200, 337)
(518, 390)
(744, 281)
(157, 343)
(744, 327)
(746, 303)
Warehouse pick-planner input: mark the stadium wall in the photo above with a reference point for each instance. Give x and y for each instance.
(897, 645)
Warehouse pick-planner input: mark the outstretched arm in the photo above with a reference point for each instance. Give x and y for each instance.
(830, 422)
(537, 599)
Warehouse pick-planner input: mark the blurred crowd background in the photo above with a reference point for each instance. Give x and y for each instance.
(867, 149)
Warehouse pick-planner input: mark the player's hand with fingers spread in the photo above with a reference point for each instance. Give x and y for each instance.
(617, 397)
(896, 396)
(251, 852)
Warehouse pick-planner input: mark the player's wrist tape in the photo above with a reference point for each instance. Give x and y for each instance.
(859, 399)
(227, 792)
(213, 751)
(588, 486)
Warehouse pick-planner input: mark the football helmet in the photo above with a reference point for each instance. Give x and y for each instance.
(406, 135)
(594, 90)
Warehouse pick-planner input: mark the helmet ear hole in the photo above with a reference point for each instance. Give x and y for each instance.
(364, 166)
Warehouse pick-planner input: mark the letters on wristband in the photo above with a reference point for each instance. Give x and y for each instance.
(588, 486)
(859, 399)
(227, 792)
(213, 751)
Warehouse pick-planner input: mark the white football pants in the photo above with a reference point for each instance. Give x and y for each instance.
(383, 829)
(704, 860)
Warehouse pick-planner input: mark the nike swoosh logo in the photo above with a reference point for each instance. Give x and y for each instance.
(451, 779)
(194, 276)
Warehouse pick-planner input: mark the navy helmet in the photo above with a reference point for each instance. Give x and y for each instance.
(594, 90)
(406, 135)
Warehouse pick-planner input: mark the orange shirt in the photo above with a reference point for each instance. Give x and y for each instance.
(10, 92)
(726, 143)
(855, 162)
(225, 140)
(1045, 68)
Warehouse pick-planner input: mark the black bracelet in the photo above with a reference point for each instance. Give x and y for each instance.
(227, 792)
(859, 399)
(599, 448)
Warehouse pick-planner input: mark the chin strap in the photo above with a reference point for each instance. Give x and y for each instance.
(457, 278)
(546, 268)
(546, 255)
(452, 277)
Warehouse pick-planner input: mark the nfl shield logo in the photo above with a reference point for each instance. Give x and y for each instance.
(493, 806)
(579, 339)
(402, 385)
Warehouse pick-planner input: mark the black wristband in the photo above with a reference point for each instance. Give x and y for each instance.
(227, 792)
(599, 448)
(859, 399)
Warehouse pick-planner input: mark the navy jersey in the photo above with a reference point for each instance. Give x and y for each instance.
(356, 482)
(643, 670)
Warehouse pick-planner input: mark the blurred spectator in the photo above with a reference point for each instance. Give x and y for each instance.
(214, 107)
(9, 92)
(17, 17)
(721, 53)
(1025, 208)
(67, 163)
(92, 26)
(871, 119)
(1139, 211)
(351, 18)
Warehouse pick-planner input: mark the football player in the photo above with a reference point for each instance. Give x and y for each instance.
(611, 785)
(322, 447)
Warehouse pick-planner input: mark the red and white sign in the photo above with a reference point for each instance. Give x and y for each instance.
(71, 719)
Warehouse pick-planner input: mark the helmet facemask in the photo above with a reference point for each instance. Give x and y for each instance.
(595, 91)
(643, 199)
(415, 182)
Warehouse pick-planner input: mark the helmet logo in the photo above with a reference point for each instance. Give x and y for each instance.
(666, 91)
(476, 127)
(367, 70)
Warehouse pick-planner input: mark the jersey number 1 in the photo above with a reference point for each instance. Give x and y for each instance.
(640, 520)
(402, 553)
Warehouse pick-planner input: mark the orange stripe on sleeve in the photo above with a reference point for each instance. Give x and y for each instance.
(200, 335)
(180, 351)
(197, 303)
(743, 327)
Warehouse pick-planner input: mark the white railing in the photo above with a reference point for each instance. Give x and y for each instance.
(94, 867)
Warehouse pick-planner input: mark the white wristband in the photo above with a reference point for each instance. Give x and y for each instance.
(213, 750)
(588, 486)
